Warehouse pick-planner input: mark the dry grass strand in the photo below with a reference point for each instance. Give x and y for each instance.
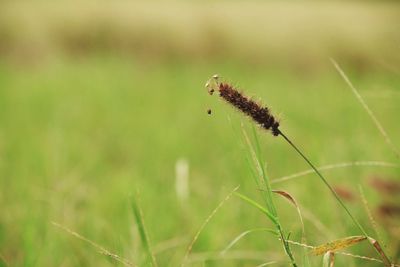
(101, 249)
(367, 109)
(190, 247)
(336, 166)
(337, 245)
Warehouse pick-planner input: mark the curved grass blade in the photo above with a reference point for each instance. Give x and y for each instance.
(260, 171)
(306, 261)
(190, 247)
(259, 207)
(267, 263)
(100, 249)
(239, 237)
(292, 201)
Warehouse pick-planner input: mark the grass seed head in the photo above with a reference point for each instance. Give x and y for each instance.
(261, 115)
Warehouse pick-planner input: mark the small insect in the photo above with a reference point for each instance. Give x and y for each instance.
(211, 83)
(209, 111)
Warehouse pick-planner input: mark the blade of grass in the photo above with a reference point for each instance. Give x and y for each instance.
(369, 213)
(336, 166)
(292, 200)
(259, 207)
(267, 263)
(367, 109)
(365, 258)
(245, 233)
(137, 212)
(262, 177)
(256, 157)
(169, 244)
(101, 249)
(190, 247)
(275, 221)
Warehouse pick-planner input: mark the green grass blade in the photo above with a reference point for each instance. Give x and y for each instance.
(150, 259)
(259, 157)
(259, 207)
(99, 248)
(245, 233)
(261, 174)
(190, 247)
(360, 99)
(292, 200)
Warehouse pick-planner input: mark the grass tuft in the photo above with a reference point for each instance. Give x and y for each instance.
(262, 116)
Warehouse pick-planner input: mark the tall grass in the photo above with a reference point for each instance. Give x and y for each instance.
(263, 118)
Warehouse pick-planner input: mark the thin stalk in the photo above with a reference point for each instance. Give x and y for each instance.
(326, 183)
(137, 212)
(380, 250)
(367, 109)
(271, 211)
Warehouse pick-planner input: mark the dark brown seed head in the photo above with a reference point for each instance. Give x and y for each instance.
(259, 114)
(209, 111)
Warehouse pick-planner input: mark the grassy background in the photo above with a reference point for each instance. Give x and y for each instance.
(99, 100)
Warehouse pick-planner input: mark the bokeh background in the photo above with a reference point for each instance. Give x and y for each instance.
(100, 100)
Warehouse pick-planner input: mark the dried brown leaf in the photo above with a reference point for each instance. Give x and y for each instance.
(337, 245)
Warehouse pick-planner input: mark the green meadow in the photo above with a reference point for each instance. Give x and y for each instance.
(102, 103)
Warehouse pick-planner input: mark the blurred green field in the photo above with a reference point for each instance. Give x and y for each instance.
(80, 133)
(74, 149)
